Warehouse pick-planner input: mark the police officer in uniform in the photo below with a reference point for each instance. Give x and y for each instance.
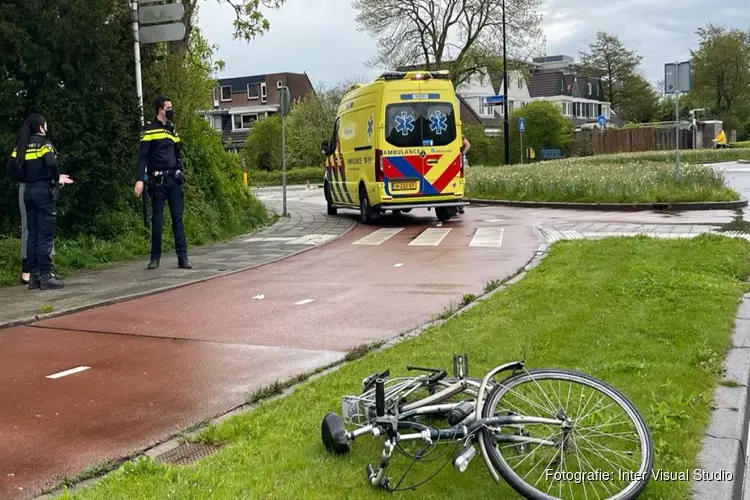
(34, 163)
(160, 163)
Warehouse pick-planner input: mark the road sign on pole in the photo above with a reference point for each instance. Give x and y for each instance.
(156, 14)
(677, 78)
(602, 120)
(285, 104)
(521, 130)
(162, 33)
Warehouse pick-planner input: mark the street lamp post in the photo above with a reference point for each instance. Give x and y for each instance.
(505, 94)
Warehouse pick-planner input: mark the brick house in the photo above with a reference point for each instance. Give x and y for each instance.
(239, 102)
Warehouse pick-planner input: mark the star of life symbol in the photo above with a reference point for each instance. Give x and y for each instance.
(438, 122)
(369, 128)
(404, 123)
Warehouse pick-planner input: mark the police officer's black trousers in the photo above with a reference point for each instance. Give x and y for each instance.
(168, 189)
(41, 210)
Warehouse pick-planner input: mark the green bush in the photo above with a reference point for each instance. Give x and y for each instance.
(302, 175)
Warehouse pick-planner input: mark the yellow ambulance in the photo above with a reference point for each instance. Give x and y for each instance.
(396, 145)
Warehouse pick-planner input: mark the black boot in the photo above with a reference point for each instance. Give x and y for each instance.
(48, 282)
(153, 264)
(34, 281)
(184, 263)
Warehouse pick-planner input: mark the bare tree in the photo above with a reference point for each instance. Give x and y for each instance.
(459, 35)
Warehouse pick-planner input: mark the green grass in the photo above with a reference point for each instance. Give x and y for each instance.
(599, 180)
(313, 175)
(652, 317)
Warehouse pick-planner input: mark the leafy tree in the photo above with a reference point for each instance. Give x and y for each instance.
(721, 69)
(609, 60)
(546, 127)
(639, 100)
(458, 35)
(262, 148)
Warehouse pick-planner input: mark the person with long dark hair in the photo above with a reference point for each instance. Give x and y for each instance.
(34, 163)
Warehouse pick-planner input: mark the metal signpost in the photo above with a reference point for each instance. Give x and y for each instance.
(151, 13)
(677, 78)
(521, 130)
(285, 102)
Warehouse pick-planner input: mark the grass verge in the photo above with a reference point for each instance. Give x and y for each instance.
(652, 317)
(602, 181)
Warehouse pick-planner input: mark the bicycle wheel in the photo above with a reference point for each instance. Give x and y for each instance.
(598, 453)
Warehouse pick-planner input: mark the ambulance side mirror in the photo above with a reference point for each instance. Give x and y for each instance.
(324, 147)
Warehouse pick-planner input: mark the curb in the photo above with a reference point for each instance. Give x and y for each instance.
(126, 298)
(616, 207)
(724, 445)
(156, 450)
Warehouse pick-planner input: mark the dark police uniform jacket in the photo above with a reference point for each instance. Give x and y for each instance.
(40, 165)
(160, 150)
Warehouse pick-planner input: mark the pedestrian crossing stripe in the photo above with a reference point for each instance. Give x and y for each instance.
(483, 237)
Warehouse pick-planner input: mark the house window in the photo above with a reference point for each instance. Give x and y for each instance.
(243, 122)
(253, 90)
(591, 91)
(217, 123)
(226, 93)
(520, 83)
(279, 84)
(263, 93)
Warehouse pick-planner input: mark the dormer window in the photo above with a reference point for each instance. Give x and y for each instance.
(226, 93)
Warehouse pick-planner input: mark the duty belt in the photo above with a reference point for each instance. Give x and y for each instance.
(159, 173)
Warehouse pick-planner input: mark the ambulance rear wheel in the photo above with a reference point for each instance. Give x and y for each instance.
(327, 191)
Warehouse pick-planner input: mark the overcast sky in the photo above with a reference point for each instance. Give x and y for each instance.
(320, 37)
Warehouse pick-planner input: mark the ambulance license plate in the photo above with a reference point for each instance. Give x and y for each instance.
(404, 186)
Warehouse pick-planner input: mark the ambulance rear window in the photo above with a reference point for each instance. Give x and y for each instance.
(420, 124)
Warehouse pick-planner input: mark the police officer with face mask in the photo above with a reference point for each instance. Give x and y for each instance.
(160, 163)
(34, 163)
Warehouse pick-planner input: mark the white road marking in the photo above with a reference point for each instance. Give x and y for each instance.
(398, 265)
(439, 224)
(303, 302)
(430, 237)
(69, 372)
(488, 237)
(259, 297)
(379, 236)
(269, 238)
(495, 220)
(311, 239)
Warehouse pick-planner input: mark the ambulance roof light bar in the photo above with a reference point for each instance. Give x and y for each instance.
(414, 75)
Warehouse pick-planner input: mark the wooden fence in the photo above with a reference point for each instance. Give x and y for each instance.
(626, 140)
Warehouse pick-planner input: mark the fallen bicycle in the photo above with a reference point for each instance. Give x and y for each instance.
(566, 427)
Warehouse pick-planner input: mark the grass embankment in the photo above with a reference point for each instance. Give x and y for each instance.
(624, 178)
(652, 317)
(203, 225)
(313, 175)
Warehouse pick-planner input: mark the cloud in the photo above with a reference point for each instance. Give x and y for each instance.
(321, 37)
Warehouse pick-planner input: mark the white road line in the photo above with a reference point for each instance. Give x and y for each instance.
(269, 238)
(303, 302)
(430, 237)
(68, 372)
(311, 239)
(259, 297)
(488, 237)
(398, 265)
(379, 236)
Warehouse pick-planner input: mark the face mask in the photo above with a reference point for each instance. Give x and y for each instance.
(169, 114)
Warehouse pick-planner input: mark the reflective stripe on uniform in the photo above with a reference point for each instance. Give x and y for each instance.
(155, 135)
(34, 152)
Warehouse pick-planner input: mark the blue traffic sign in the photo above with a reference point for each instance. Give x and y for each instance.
(602, 120)
(494, 99)
(521, 125)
